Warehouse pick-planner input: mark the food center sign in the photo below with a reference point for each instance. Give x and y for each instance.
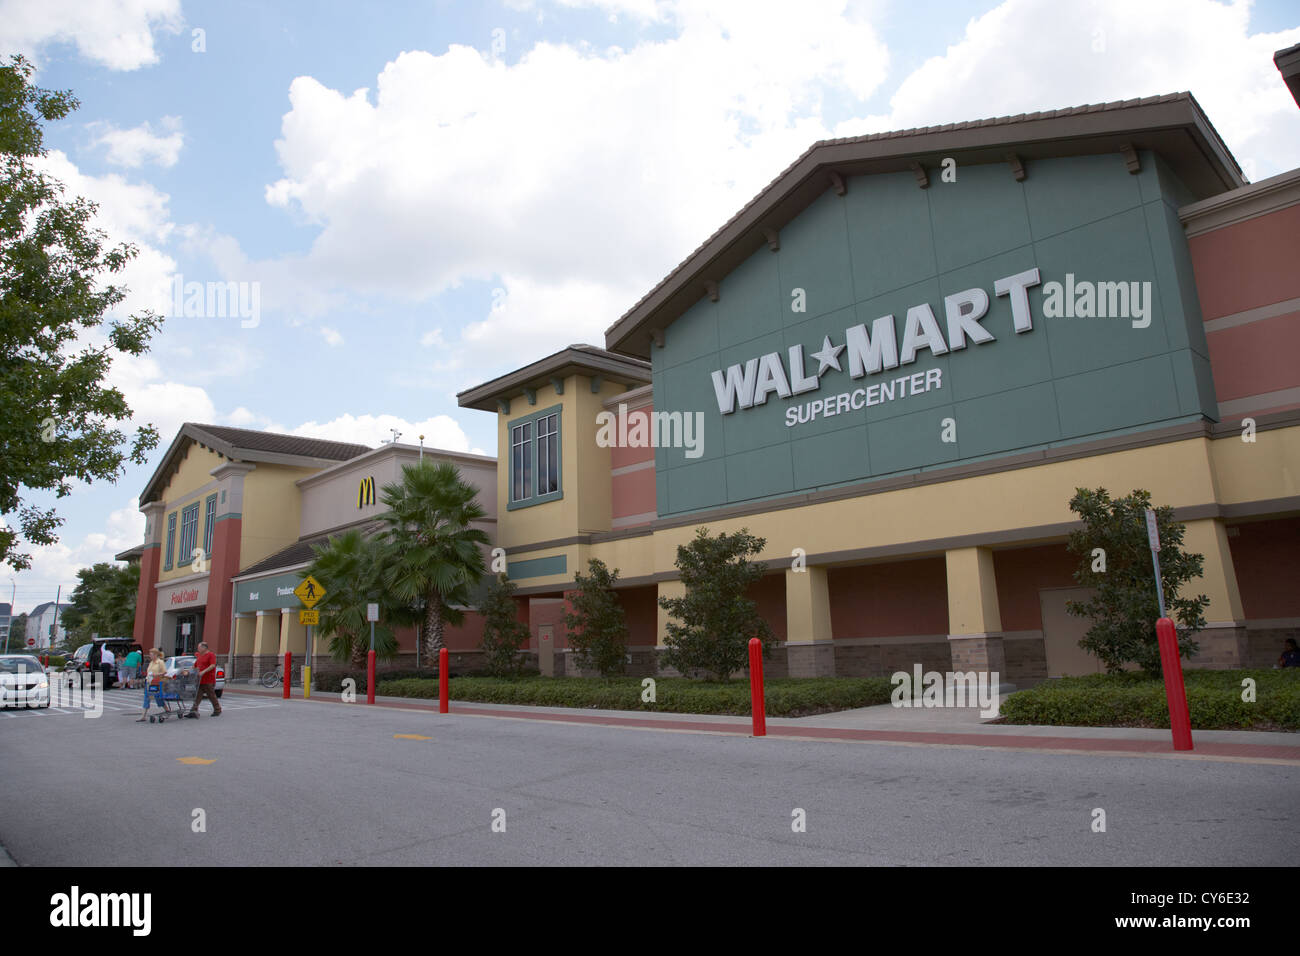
(872, 352)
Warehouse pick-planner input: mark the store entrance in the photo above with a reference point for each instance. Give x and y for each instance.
(185, 643)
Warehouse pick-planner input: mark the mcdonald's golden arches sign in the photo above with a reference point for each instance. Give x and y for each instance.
(366, 492)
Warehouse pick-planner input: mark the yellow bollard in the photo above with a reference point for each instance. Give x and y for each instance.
(306, 681)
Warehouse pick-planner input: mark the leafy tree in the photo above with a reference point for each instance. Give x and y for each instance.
(351, 569)
(435, 555)
(1125, 607)
(103, 602)
(597, 625)
(503, 632)
(16, 640)
(59, 417)
(717, 618)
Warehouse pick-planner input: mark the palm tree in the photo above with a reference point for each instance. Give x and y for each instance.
(434, 557)
(350, 567)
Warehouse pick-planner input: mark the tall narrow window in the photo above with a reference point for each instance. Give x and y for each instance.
(171, 541)
(548, 455)
(535, 462)
(209, 523)
(521, 460)
(189, 533)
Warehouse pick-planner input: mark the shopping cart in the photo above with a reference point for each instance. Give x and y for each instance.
(177, 693)
(153, 695)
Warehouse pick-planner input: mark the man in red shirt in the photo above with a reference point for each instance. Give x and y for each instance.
(206, 666)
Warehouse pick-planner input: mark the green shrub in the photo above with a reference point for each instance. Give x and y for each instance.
(786, 697)
(1214, 701)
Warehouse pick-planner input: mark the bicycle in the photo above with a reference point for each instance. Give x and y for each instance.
(275, 678)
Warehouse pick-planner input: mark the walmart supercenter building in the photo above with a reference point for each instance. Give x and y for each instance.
(896, 365)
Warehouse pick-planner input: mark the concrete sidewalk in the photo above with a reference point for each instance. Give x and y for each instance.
(959, 727)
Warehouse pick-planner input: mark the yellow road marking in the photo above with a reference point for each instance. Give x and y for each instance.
(196, 761)
(410, 737)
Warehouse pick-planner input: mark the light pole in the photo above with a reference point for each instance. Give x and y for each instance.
(13, 596)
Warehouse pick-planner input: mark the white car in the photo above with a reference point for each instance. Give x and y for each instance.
(186, 663)
(23, 682)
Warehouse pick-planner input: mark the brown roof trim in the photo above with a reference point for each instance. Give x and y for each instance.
(1288, 64)
(1172, 125)
(575, 359)
(242, 444)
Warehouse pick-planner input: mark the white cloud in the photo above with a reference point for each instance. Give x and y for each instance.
(331, 336)
(117, 34)
(440, 431)
(141, 144)
(57, 564)
(135, 213)
(578, 177)
(1024, 56)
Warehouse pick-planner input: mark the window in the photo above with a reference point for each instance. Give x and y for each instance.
(209, 520)
(535, 459)
(548, 454)
(189, 532)
(171, 541)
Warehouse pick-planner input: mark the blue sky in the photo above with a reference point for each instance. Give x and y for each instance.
(516, 175)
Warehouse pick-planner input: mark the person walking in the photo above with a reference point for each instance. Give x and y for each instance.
(132, 665)
(107, 664)
(206, 666)
(153, 682)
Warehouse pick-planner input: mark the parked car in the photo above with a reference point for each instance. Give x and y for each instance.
(186, 663)
(23, 682)
(85, 660)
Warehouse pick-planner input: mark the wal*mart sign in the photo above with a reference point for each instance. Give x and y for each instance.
(873, 351)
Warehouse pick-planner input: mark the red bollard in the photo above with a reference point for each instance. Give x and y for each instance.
(370, 677)
(757, 704)
(442, 681)
(288, 662)
(1179, 719)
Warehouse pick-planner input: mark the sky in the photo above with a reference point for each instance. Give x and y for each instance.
(412, 198)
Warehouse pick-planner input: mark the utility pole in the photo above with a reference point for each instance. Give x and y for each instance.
(54, 628)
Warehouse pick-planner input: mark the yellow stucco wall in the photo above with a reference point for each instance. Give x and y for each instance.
(1193, 472)
(272, 503)
(1268, 467)
(185, 488)
(584, 467)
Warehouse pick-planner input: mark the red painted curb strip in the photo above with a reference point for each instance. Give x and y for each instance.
(1012, 741)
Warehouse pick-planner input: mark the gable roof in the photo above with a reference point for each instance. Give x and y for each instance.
(1172, 125)
(583, 359)
(243, 444)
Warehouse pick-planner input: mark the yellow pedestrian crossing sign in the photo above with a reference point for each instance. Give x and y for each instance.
(309, 591)
(309, 617)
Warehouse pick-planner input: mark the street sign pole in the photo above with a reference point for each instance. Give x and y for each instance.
(372, 615)
(306, 668)
(1153, 538)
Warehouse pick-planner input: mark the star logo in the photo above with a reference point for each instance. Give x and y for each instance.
(828, 357)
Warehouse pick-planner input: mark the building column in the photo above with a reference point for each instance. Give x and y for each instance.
(245, 634)
(1223, 643)
(266, 641)
(974, 620)
(667, 589)
(146, 598)
(809, 650)
(293, 636)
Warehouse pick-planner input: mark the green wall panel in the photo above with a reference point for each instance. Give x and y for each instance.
(887, 246)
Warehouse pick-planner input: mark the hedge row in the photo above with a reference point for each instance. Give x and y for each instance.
(1214, 701)
(330, 680)
(786, 697)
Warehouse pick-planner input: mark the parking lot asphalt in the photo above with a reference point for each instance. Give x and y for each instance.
(311, 783)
